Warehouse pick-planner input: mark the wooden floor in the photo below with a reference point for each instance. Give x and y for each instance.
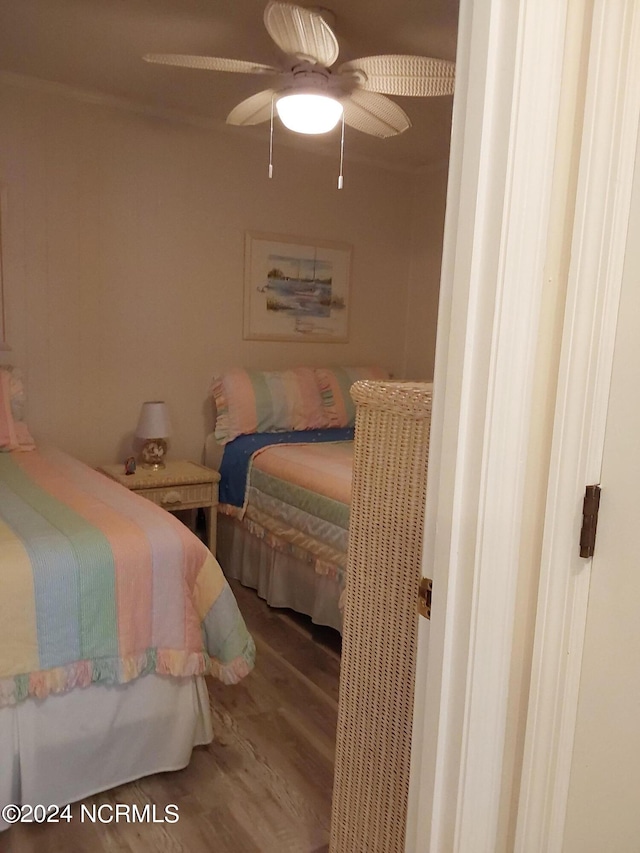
(263, 784)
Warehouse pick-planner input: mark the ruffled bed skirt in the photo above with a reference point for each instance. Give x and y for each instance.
(282, 578)
(70, 746)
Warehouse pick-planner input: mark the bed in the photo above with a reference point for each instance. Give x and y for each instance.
(283, 444)
(111, 614)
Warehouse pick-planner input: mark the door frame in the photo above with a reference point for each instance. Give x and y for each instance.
(508, 90)
(607, 162)
(506, 109)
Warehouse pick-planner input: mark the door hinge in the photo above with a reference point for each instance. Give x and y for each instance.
(424, 597)
(589, 521)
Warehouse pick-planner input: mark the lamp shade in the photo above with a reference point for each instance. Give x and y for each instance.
(154, 420)
(309, 112)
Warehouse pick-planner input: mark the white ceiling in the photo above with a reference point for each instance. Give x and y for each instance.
(97, 45)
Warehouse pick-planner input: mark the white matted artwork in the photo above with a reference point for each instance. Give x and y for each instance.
(296, 289)
(3, 221)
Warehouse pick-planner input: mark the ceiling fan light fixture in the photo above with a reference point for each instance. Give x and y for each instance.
(309, 112)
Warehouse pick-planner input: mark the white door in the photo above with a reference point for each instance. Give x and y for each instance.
(603, 807)
(488, 319)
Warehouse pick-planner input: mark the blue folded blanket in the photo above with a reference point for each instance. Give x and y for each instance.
(237, 454)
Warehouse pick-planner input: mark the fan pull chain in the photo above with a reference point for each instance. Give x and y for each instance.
(341, 176)
(271, 141)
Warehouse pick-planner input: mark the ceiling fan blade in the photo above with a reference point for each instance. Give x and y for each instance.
(301, 32)
(417, 76)
(374, 114)
(252, 110)
(210, 63)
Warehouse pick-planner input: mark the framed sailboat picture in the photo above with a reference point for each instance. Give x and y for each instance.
(296, 289)
(4, 346)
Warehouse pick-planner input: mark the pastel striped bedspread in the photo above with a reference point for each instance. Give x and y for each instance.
(99, 585)
(323, 468)
(298, 500)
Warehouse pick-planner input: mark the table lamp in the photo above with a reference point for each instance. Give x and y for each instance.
(153, 428)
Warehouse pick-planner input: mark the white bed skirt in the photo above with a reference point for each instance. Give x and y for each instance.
(279, 578)
(67, 747)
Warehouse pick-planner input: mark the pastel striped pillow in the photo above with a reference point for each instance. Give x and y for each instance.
(335, 384)
(249, 401)
(14, 435)
(16, 390)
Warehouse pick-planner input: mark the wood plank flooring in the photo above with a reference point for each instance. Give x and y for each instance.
(262, 786)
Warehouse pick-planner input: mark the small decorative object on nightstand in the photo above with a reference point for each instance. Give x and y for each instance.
(178, 485)
(154, 428)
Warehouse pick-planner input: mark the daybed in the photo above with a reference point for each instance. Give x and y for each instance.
(111, 613)
(283, 444)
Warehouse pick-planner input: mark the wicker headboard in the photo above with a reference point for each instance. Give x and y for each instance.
(379, 639)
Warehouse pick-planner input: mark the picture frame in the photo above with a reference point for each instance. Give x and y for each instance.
(4, 346)
(296, 289)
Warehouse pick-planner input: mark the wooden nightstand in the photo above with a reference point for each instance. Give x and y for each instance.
(180, 485)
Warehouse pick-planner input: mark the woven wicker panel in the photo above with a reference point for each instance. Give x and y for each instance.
(197, 494)
(377, 676)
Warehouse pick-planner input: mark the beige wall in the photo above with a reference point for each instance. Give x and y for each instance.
(124, 260)
(429, 197)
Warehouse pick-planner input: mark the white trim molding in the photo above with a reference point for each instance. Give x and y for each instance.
(610, 133)
(506, 107)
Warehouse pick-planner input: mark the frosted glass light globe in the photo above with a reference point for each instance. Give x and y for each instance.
(309, 113)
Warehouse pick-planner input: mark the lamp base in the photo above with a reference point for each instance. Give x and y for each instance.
(153, 452)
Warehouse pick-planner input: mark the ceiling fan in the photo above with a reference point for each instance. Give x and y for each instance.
(309, 95)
